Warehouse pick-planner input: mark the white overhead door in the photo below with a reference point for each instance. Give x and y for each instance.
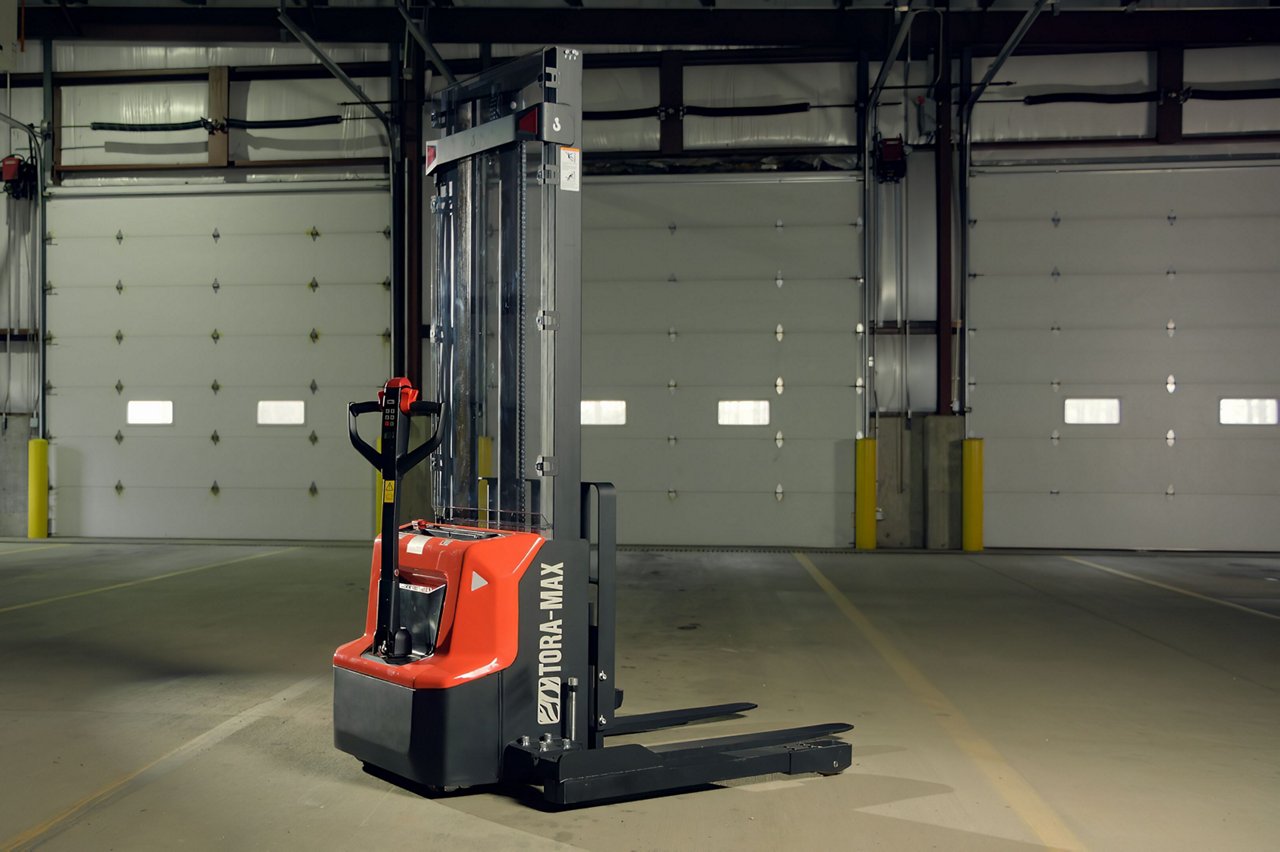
(722, 313)
(1151, 299)
(204, 349)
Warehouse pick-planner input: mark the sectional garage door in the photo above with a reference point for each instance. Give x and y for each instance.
(700, 292)
(1160, 293)
(196, 310)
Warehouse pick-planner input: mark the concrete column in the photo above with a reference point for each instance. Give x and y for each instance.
(901, 497)
(13, 478)
(943, 437)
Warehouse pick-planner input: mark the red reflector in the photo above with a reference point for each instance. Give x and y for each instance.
(528, 123)
(431, 156)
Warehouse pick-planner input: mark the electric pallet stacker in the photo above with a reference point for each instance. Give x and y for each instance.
(488, 650)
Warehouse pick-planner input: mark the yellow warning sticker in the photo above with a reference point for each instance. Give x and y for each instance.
(388, 492)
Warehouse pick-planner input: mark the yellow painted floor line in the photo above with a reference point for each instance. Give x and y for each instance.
(158, 767)
(1043, 821)
(1168, 588)
(142, 580)
(31, 549)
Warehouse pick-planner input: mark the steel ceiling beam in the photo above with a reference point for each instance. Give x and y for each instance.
(851, 29)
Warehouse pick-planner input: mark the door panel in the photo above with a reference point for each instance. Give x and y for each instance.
(166, 311)
(682, 303)
(1158, 275)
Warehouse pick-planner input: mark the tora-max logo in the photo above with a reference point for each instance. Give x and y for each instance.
(550, 643)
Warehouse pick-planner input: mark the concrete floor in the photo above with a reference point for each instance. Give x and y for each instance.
(162, 696)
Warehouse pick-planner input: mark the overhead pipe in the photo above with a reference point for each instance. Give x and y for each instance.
(903, 318)
(944, 198)
(37, 447)
(863, 119)
(865, 500)
(966, 133)
(870, 276)
(11, 309)
(904, 291)
(37, 295)
(904, 285)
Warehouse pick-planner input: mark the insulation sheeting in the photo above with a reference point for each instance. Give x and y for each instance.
(1002, 117)
(1234, 68)
(620, 89)
(829, 87)
(113, 56)
(359, 135)
(8, 35)
(76, 184)
(28, 61)
(153, 103)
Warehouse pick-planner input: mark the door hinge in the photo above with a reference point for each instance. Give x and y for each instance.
(548, 320)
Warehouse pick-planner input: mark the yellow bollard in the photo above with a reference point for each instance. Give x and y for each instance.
(864, 498)
(37, 488)
(972, 496)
